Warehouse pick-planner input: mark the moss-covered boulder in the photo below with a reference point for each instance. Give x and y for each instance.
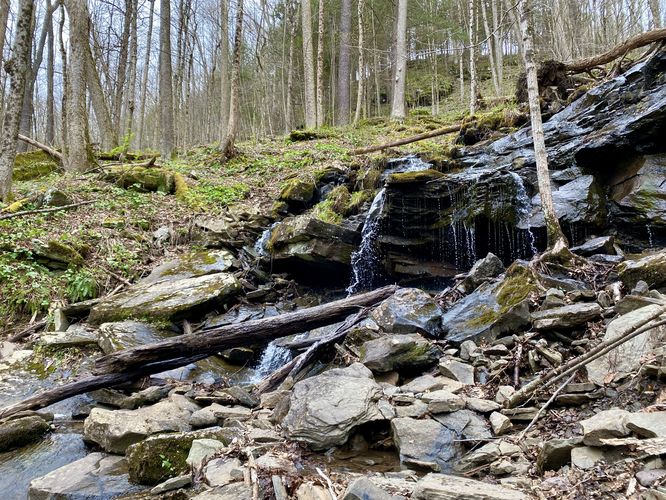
(297, 193)
(163, 455)
(651, 269)
(143, 178)
(193, 264)
(167, 300)
(56, 254)
(33, 165)
(22, 431)
(398, 352)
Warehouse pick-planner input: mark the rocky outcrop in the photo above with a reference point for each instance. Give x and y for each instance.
(127, 334)
(409, 310)
(651, 269)
(566, 317)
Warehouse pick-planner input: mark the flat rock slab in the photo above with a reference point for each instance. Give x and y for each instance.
(166, 300)
(605, 425)
(424, 443)
(191, 265)
(95, 477)
(394, 352)
(446, 487)
(120, 335)
(74, 336)
(566, 317)
(648, 425)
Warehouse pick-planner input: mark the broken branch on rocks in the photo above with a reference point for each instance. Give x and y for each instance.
(408, 140)
(45, 210)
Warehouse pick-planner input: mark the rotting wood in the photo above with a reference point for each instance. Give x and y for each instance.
(48, 150)
(28, 330)
(408, 140)
(45, 210)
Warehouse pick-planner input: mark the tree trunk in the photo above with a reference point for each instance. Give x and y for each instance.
(130, 98)
(4, 17)
(289, 115)
(398, 111)
(361, 64)
(655, 13)
(473, 91)
(224, 69)
(109, 137)
(320, 65)
(556, 239)
(342, 94)
(49, 137)
(308, 66)
(18, 67)
(491, 50)
(121, 79)
(144, 76)
(227, 147)
(165, 84)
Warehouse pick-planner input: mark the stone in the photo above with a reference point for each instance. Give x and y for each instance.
(200, 450)
(74, 336)
(171, 484)
(364, 489)
(395, 352)
(604, 425)
(449, 487)
(627, 357)
(500, 423)
(162, 456)
(468, 350)
(457, 370)
(146, 178)
(586, 457)
(443, 401)
(566, 317)
(311, 491)
(95, 477)
(192, 265)
(554, 298)
(504, 392)
(276, 462)
(60, 323)
(423, 443)
(416, 409)
(648, 478)
(167, 300)
(466, 424)
(297, 193)
(326, 408)
(233, 491)
(115, 430)
(555, 453)
(147, 396)
(238, 355)
(601, 245)
(651, 269)
(127, 334)
(223, 471)
(484, 269)
(22, 431)
(423, 383)
(648, 425)
(409, 310)
(481, 405)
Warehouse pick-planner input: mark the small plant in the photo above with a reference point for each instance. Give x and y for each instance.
(81, 285)
(166, 463)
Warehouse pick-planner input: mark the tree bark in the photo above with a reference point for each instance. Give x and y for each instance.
(165, 83)
(130, 97)
(289, 115)
(556, 239)
(49, 136)
(308, 66)
(398, 111)
(473, 90)
(56, 155)
(121, 80)
(361, 64)
(344, 63)
(227, 147)
(18, 67)
(144, 76)
(320, 65)
(408, 140)
(224, 70)
(4, 17)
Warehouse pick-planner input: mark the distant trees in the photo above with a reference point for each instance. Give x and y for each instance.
(227, 146)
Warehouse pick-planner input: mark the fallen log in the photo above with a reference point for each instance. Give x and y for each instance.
(45, 210)
(408, 140)
(28, 330)
(239, 334)
(57, 155)
(630, 44)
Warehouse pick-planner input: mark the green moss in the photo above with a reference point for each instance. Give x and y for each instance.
(33, 165)
(358, 199)
(141, 178)
(180, 186)
(325, 211)
(62, 252)
(370, 179)
(297, 190)
(414, 177)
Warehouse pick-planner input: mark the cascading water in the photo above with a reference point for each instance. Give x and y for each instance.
(523, 210)
(273, 357)
(262, 242)
(365, 260)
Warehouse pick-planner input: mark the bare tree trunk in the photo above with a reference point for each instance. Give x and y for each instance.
(556, 239)
(655, 12)
(130, 98)
(227, 147)
(224, 69)
(50, 76)
(17, 67)
(398, 111)
(144, 77)
(65, 80)
(289, 116)
(4, 16)
(375, 67)
(342, 94)
(361, 64)
(165, 84)
(498, 41)
(121, 79)
(473, 91)
(494, 73)
(320, 65)
(308, 66)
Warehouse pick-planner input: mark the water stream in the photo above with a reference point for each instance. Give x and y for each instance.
(523, 210)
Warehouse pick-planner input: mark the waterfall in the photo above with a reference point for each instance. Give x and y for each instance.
(273, 357)
(523, 210)
(260, 244)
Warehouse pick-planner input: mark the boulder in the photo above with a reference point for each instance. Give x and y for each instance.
(364, 489)
(397, 352)
(626, 358)
(602, 245)
(489, 267)
(424, 443)
(409, 310)
(651, 269)
(326, 408)
(567, 317)
(127, 334)
(427, 382)
(162, 456)
(192, 265)
(457, 370)
(500, 423)
(201, 450)
(448, 487)
(171, 484)
(604, 425)
(113, 397)
(145, 178)
(95, 477)
(22, 431)
(443, 401)
(167, 300)
(115, 430)
(481, 405)
(223, 471)
(466, 424)
(556, 453)
(73, 336)
(648, 425)
(586, 457)
(297, 193)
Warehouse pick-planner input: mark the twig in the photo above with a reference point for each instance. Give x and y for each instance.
(28, 330)
(331, 491)
(516, 366)
(546, 405)
(253, 474)
(45, 210)
(117, 276)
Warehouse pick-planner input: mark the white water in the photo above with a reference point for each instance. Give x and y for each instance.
(261, 243)
(273, 357)
(523, 210)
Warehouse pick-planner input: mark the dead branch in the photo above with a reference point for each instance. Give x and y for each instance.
(56, 155)
(546, 405)
(28, 330)
(46, 210)
(408, 140)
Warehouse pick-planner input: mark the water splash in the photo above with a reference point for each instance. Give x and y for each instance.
(272, 358)
(260, 246)
(523, 210)
(650, 237)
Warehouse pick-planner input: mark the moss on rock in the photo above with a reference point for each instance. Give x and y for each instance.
(33, 165)
(297, 191)
(143, 178)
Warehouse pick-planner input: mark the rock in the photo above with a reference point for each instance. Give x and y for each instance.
(238, 355)
(115, 430)
(162, 456)
(651, 269)
(579, 201)
(626, 358)
(310, 491)
(566, 317)
(605, 424)
(556, 453)
(500, 423)
(217, 413)
(60, 323)
(395, 352)
(423, 443)
(147, 396)
(192, 265)
(601, 245)
(481, 405)
(468, 350)
(95, 477)
(200, 450)
(648, 478)
(233, 491)
(416, 409)
(173, 483)
(364, 489)
(276, 462)
(127, 334)
(554, 298)
(492, 309)
(146, 178)
(648, 425)
(482, 270)
(448, 487)
(409, 310)
(466, 424)
(586, 457)
(504, 393)
(297, 193)
(326, 408)
(423, 383)
(55, 198)
(74, 336)
(166, 300)
(22, 431)
(457, 370)
(443, 401)
(223, 471)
